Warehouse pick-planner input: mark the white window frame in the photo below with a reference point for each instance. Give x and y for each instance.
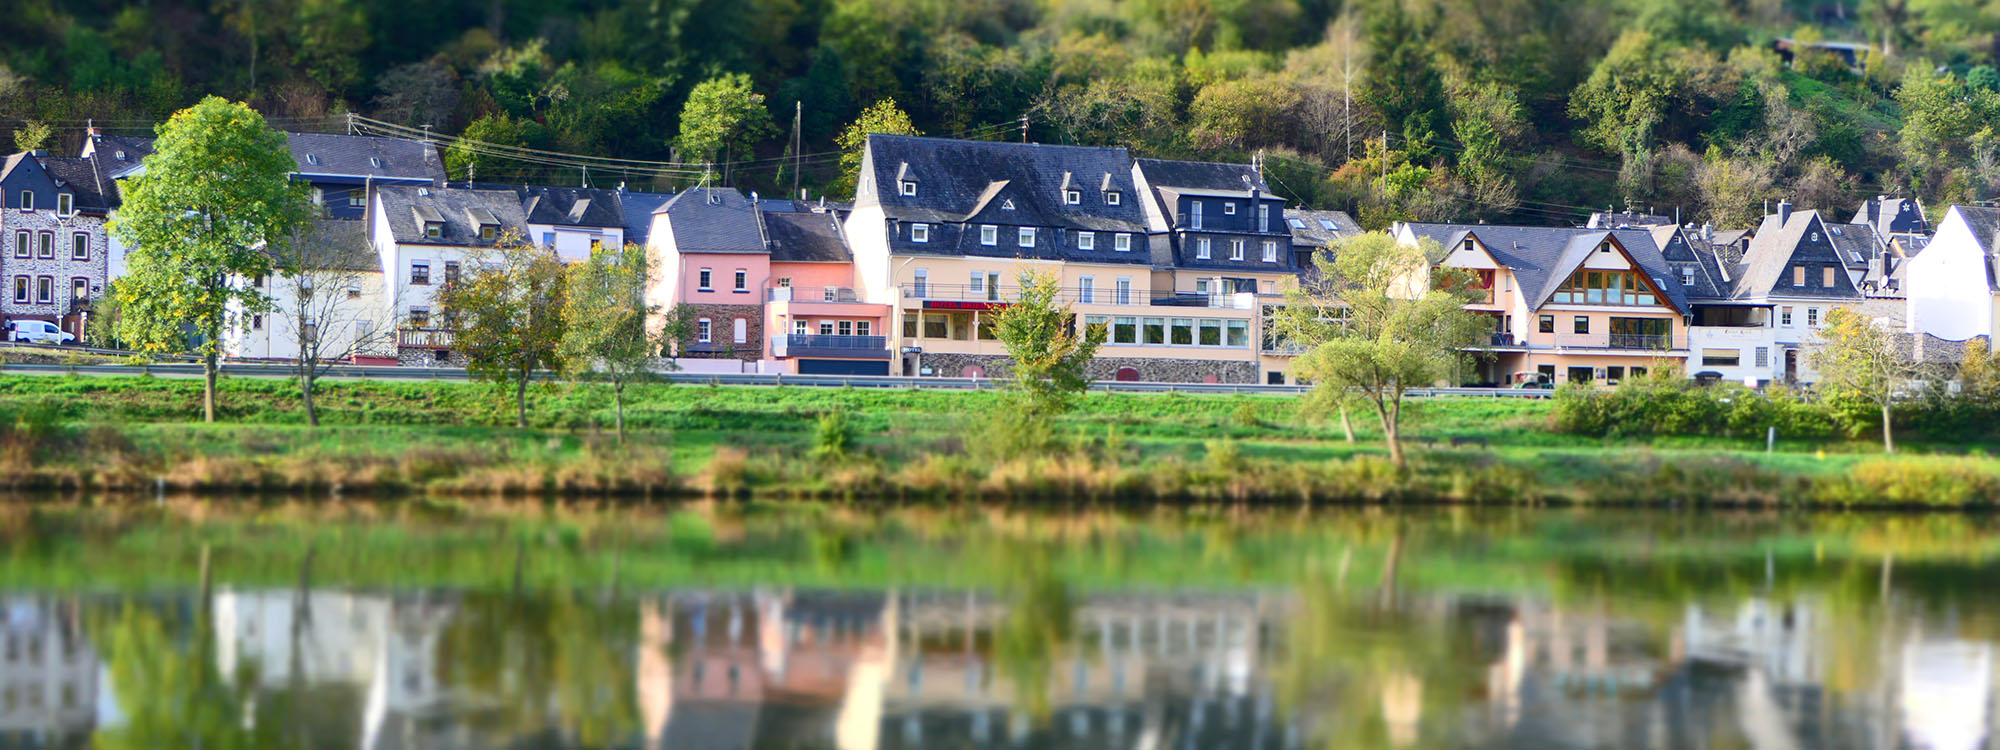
(704, 331)
(1194, 215)
(45, 246)
(1236, 249)
(978, 285)
(742, 280)
(1813, 318)
(801, 328)
(1270, 251)
(1229, 208)
(1687, 275)
(27, 200)
(864, 328)
(1263, 217)
(922, 284)
(1201, 248)
(1123, 296)
(909, 187)
(1027, 237)
(1784, 316)
(1086, 240)
(1086, 290)
(1073, 197)
(920, 232)
(1112, 198)
(73, 247)
(826, 328)
(65, 204)
(1122, 242)
(704, 280)
(989, 235)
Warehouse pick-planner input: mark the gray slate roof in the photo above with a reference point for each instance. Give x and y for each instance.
(401, 205)
(93, 189)
(1309, 227)
(1779, 247)
(1541, 257)
(1627, 219)
(1984, 223)
(1202, 175)
(1887, 216)
(963, 181)
(572, 207)
(639, 208)
(1683, 248)
(351, 155)
(713, 220)
(118, 155)
(807, 238)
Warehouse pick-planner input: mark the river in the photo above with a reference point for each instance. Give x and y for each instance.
(450, 625)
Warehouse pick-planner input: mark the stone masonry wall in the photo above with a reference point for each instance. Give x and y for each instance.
(59, 267)
(723, 335)
(1106, 368)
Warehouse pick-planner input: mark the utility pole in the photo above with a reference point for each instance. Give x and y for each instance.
(1385, 157)
(1347, 93)
(1024, 128)
(798, 163)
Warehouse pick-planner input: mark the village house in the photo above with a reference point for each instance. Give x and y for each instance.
(1798, 268)
(341, 168)
(710, 251)
(1953, 285)
(346, 305)
(424, 238)
(573, 221)
(54, 219)
(818, 323)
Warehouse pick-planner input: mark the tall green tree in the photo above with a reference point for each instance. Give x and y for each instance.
(881, 117)
(1380, 322)
(606, 321)
(215, 196)
(1402, 83)
(723, 117)
(1049, 360)
(507, 317)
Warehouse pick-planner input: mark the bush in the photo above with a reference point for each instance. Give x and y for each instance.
(833, 438)
(1664, 403)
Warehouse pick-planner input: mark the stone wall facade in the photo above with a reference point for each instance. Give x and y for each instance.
(58, 266)
(1106, 368)
(722, 339)
(414, 356)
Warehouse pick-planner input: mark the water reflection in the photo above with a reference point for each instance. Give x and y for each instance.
(1814, 658)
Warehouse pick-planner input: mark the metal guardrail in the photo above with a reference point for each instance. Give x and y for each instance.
(392, 372)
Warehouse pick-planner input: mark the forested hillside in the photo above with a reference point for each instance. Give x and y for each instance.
(1523, 110)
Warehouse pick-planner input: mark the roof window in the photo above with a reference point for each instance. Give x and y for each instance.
(375, 161)
(312, 159)
(1326, 224)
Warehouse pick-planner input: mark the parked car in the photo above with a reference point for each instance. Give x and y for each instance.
(38, 331)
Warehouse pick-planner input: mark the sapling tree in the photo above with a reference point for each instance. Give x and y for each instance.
(606, 336)
(328, 294)
(1863, 358)
(1049, 358)
(507, 316)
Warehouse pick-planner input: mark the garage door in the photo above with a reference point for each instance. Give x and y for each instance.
(843, 367)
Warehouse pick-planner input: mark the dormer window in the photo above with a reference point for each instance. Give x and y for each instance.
(1122, 242)
(1112, 197)
(488, 232)
(27, 200)
(434, 229)
(1298, 224)
(119, 154)
(65, 203)
(1027, 236)
(920, 232)
(1687, 275)
(1086, 240)
(312, 159)
(909, 187)
(1072, 197)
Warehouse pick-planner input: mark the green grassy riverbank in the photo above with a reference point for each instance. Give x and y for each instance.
(142, 435)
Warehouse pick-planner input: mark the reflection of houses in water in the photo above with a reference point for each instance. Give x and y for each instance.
(1947, 696)
(1173, 670)
(48, 673)
(772, 668)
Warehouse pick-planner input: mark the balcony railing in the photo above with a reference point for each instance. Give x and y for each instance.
(1001, 295)
(1224, 301)
(1641, 341)
(830, 345)
(811, 294)
(426, 338)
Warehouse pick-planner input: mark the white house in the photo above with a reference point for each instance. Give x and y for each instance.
(1953, 286)
(348, 310)
(422, 236)
(571, 221)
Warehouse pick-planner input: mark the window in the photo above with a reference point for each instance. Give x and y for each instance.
(923, 285)
(1263, 218)
(27, 200)
(801, 328)
(1125, 330)
(22, 245)
(451, 272)
(1826, 277)
(784, 282)
(1027, 236)
(1235, 249)
(1270, 251)
(741, 334)
(1798, 275)
(1194, 215)
(1229, 208)
(1201, 248)
(937, 326)
(742, 280)
(1086, 240)
(1605, 288)
(1182, 332)
(1785, 316)
(79, 289)
(420, 317)
(65, 203)
(909, 187)
(864, 328)
(1687, 275)
(356, 199)
(1298, 224)
(20, 289)
(1072, 197)
(1124, 291)
(79, 246)
(909, 325)
(704, 331)
(1097, 324)
(548, 239)
(312, 159)
(1086, 290)
(1122, 242)
(1582, 324)
(1211, 332)
(704, 280)
(846, 327)
(1201, 286)
(989, 235)
(45, 290)
(257, 322)
(1812, 317)
(488, 231)
(1548, 324)
(1112, 197)
(920, 232)
(433, 230)
(1763, 356)
(420, 272)
(1239, 334)
(1154, 330)
(1721, 357)
(830, 294)
(46, 247)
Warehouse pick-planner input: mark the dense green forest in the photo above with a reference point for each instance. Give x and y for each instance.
(1522, 110)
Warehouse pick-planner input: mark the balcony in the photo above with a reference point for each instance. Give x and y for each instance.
(1621, 341)
(426, 338)
(811, 294)
(1224, 301)
(830, 345)
(986, 295)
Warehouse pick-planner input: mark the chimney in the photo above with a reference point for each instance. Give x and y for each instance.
(1784, 212)
(1708, 232)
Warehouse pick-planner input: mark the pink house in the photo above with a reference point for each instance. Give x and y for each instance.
(818, 324)
(709, 246)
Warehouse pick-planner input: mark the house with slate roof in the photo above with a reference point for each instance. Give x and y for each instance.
(348, 309)
(710, 247)
(944, 231)
(340, 168)
(1313, 231)
(58, 250)
(571, 221)
(818, 324)
(1567, 304)
(1892, 217)
(423, 237)
(1800, 267)
(1953, 285)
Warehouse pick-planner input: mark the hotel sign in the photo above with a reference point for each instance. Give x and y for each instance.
(938, 304)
